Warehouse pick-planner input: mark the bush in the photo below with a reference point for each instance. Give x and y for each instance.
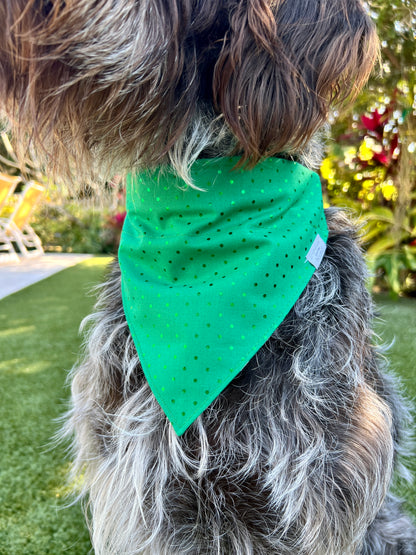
(371, 170)
(76, 227)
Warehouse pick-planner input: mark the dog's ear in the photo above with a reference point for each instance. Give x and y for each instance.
(284, 63)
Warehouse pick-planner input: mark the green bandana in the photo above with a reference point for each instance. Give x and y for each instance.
(207, 276)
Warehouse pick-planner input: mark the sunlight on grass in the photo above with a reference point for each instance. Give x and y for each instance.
(17, 366)
(66, 488)
(4, 334)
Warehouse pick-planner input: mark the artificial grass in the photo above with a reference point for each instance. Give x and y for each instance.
(397, 328)
(397, 325)
(38, 342)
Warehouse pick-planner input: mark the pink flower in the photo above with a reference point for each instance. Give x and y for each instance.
(372, 122)
(119, 218)
(381, 158)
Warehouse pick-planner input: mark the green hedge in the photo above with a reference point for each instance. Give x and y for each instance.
(74, 227)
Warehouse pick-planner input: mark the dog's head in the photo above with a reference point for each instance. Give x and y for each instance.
(143, 82)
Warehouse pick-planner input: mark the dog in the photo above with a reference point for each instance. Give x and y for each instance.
(295, 450)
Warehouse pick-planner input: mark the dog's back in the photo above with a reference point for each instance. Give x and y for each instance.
(295, 456)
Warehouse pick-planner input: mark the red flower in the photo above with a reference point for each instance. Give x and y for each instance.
(386, 156)
(375, 122)
(382, 158)
(117, 220)
(372, 122)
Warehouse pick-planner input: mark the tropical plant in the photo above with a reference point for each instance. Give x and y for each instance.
(371, 164)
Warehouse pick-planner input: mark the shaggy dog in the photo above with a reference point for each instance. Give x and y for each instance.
(296, 454)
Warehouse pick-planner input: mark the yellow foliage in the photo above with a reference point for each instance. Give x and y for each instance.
(365, 152)
(350, 155)
(327, 170)
(389, 190)
(368, 184)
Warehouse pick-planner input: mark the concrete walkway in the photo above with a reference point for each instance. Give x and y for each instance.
(16, 276)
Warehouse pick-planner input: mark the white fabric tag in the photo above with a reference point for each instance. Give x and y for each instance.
(316, 252)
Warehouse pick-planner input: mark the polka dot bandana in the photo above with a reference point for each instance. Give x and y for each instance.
(208, 275)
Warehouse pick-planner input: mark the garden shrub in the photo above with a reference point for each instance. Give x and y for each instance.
(74, 227)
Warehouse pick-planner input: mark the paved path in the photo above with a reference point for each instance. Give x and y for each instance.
(16, 276)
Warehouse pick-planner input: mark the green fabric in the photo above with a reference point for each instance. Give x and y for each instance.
(207, 276)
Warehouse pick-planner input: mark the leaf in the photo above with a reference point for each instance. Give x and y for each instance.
(392, 264)
(381, 246)
(372, 230)
(349, 204)
(410, 255)
(394, 274)
(380, 213)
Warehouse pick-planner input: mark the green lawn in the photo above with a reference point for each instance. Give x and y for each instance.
(398, 326)
(38, 344)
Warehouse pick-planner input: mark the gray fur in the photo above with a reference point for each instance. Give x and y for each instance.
(295, 456)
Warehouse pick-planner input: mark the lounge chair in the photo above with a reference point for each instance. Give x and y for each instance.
(15, 230)
(8, 184)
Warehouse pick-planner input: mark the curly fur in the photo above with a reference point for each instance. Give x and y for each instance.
(99, 87)
(295, 456)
